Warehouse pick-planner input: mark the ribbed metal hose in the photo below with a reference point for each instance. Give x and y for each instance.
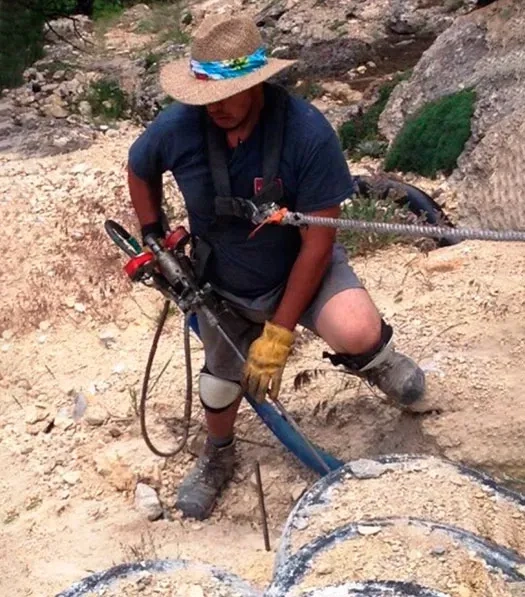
(299, 219)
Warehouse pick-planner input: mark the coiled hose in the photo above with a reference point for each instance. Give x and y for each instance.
(189, 388)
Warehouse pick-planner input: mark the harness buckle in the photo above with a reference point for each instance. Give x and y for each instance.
(262, 212)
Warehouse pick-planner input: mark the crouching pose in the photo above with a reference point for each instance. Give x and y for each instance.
(233, 136)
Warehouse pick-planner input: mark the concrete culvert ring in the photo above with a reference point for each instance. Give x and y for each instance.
(403, 486)
(437, 556)
(170, 576)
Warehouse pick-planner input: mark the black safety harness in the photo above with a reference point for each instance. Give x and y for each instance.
(273, 123)
(228, 207)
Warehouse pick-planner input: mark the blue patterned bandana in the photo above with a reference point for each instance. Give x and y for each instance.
(229, 69)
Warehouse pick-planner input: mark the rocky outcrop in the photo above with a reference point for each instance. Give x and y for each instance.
(330, 37)
(485, 51)
(342, 48)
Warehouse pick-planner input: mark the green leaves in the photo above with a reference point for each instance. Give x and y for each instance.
(355, 134)
(433, 139)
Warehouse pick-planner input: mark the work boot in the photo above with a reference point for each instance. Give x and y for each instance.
(399, 377)
(395, 374)
(199, 491)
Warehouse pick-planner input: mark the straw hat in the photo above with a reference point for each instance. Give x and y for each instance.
(227, 57)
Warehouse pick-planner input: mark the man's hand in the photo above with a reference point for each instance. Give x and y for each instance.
(266, 360)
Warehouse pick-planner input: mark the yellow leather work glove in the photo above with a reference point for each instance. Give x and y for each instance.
(266, 361)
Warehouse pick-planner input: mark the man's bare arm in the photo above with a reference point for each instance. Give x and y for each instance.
(146, 197)
(308, 270)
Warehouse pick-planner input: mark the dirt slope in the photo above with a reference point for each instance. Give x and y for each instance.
(74, 338)
(67, 487)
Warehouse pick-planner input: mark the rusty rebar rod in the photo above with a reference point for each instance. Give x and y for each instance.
(260, 493)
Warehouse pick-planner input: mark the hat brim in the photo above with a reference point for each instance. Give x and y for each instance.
(177, 81)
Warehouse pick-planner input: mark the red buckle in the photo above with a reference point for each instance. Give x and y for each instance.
(176, 238)
(135, 265)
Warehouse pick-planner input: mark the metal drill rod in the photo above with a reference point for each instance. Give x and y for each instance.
(300, 219)
(260, 495)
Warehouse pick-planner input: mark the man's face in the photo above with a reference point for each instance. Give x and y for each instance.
(232, 111)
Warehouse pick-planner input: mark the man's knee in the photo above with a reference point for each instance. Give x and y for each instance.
(365, 334)
(217, 394)
(371, 356)
(350, 322)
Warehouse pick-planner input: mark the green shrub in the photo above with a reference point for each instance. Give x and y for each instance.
(106, 9)
(107, 100)
(364, 126)
(370, 209)
(432, 140)
(21, 41)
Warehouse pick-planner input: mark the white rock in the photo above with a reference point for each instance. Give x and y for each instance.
(79, 168)
(119, 368)
(63, 420)
(80, 307)
(71, 477)
(96, 415)
(60, 141)
(368, 530)
(342, 91)
(56, 110)
(35, 415)
(195, 591)
(147, 501)
(108, 337)
(368, 469)
(85, 109)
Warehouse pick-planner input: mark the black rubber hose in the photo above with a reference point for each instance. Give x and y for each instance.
(373, 588)
(189, 388)
(317, 495)
(418, 202)
(101, 580)
(290, 573)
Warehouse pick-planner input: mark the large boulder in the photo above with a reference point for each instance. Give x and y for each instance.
(484, 50)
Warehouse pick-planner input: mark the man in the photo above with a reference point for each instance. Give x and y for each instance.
(216, 142)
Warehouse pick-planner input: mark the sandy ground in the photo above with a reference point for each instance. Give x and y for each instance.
(74, 339)
(67, 489)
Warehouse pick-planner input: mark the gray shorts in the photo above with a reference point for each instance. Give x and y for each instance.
(246, 321)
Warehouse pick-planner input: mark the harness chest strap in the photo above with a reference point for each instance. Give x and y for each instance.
(273, 119)
(225, 205)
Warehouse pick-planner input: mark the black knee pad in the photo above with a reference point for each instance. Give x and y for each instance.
(358, 362)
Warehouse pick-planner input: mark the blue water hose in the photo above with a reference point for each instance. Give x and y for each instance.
(284, 432)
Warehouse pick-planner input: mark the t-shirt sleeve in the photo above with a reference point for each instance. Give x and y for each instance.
(148, 156)
(324, 179)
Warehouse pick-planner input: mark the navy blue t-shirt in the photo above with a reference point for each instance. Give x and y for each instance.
(312, 169)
